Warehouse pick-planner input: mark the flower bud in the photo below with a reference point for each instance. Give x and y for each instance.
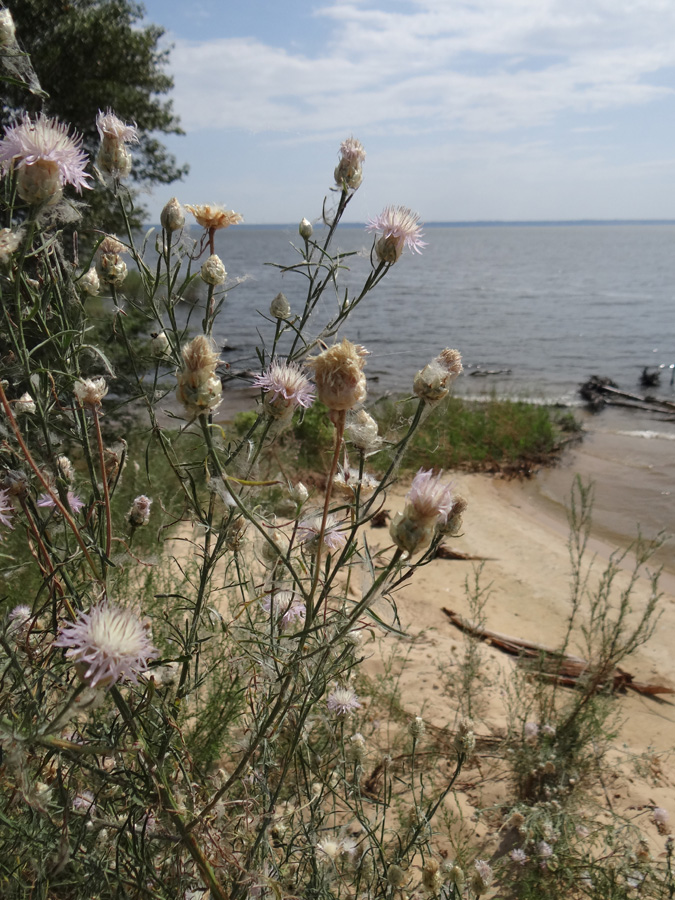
(417, 727)
(139, 514)
(90, 391)
(410, 534)
(465, 739)
(172, 216)
(114, 158)
(65, 469)
(7, 28)
(213, 270)
(361, 430)
(305, 229)
(357, 748)
(280, 308)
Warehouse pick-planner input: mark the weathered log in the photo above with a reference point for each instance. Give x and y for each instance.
(565, 669)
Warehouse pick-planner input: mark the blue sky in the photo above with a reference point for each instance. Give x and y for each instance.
(499, 109)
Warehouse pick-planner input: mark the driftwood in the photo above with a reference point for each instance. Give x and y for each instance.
(599, 392)
(564, 669)
(444, 552)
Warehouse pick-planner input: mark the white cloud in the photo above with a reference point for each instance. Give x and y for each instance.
(440, 65)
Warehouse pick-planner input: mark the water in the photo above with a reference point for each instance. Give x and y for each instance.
(550, 304)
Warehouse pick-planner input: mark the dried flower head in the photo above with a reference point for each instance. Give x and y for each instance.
(361, 430)
(172, 217)
(113, 267)
(25, 405)
(432, 383)
(108, 643)
(10, 241)
(348, 480)
(90, 283)
(213, 217)
(348, 173)
(113, 156)
(431, 876)
(65, 469)
(139, 514)
(90, 391)
(342, 701)
(285, 387)
(395, 876)
(45, 158)
(416, 728)
(338, 374)
(482, 878)
(199, 387)
(286, 607)
(518, 856)
(213, 271)
(399, 227)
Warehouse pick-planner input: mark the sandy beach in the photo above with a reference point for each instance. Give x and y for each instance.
(523, 542)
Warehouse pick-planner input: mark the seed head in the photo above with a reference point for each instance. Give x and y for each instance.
(431, 876)
(361, 430)
(108, 643)
(395, 876)
(432, 383)
(199, 387)
(338, 374)
(90, 391)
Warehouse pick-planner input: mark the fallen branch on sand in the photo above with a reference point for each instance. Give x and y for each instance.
(599, 392)
(566, 669)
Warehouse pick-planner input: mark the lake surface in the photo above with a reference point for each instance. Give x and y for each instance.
(550, 305)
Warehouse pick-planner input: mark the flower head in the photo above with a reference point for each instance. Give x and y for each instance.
(18, 621)
(213, 271)
(139, 514)
(10, 241)
(482, 878)
(45, 157)
(399, 228)
(348, 173)
(25, 405)
(342, 701)
(280, 308)
(428, 498)
(361, 429)
(108, 643)
(6, 509)
(172, 216)
(333, 539)
(338, 373)
(518, 856)
(213, 217)
(660, 817)
(285, 387)
(90, 391)
(90, 283)
(48, 502)
(113, 156)
(432, 383)
(286, 606)
(199, 387)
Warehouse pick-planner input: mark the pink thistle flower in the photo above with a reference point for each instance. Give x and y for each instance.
(428, 500)
(287, 605)
(108, 643)
(342, 701)
(518, 856)
(544, 850)
(333, 539)
(46, 158)
(285, 387)
(74, 502)
(109, 126)
(348, 173)
(399, 228)
(6, 509)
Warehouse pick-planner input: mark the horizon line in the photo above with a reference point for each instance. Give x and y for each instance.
(474, 223)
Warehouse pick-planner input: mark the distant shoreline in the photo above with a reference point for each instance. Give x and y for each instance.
(487, 223)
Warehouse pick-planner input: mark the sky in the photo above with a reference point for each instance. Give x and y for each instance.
(468, 111)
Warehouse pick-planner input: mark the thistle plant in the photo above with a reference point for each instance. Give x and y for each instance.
(178, 710)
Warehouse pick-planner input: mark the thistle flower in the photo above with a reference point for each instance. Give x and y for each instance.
(342, 701)
(113, 267)
(172, 217)
(25, 405)
(482, 878)
(199, 387)
(347, 481)
(65, 469)
(139, 514)
(338, 374)
(348, 174)
(213, 217)
(45, 158)
(6, 509)
(90, 391)
(280, 308)
(90, 283)
(399, 228)
(74, 502)
(432, 383)
(113, 157)
(10, 241)
(213, 271)
(309, 530)
(544, 850)
(518, 856)
(286, 606)
(428, 499)
(108, 644)
(285, 388)
(530, 732)
(660, 818)
(18, 621)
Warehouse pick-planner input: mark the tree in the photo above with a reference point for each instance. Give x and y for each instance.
(90, 55)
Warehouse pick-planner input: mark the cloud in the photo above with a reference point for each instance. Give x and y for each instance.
(433, 65)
